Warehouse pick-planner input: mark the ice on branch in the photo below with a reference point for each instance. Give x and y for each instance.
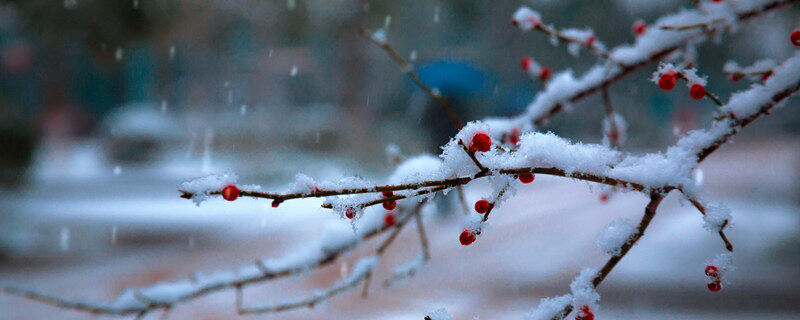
(724, 264)
(360, 271)
(547, 150)
(525, 18)
(419, 168)
(716, 217)
(563, 87)
(649, 46)
(617, 234)
(201, 188)
(549, 308)
(756, 71)
(586, 38)
(583, 291)
(692, 77)
(745, 103)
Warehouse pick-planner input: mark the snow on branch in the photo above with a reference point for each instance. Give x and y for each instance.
(650, 46)
(486, 150)
(334, 242)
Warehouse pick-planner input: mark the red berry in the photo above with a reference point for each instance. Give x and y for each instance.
(276, 203)
(350, 213)
(585, 314)
(388, 194)
(795, 37)
(639, 28)
(467, 237)
(668, 80)
(712, 271)
(715, 286)
(513, 136)
(604, 198)
(590, 40)
(766, 76)
(389, 220)
(544, 73)
(390, 205)
(230, 193)
(736, 77)
(697, 91)
(480, 142)
(526, 177)
(482, 206)
(525, 63)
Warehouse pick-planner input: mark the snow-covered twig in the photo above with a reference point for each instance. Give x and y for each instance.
(362, 271)
(649, 213)
(743, 108)
(650, 47)
(527, 19)
(706, 26)
(416, 179)
(165, 295)
(411, 268)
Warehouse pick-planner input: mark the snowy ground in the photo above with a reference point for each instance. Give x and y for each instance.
(532, 250)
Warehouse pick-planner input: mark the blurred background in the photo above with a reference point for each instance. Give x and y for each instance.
(106, 106)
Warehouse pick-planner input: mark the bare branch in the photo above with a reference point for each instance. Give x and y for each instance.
(409, 70)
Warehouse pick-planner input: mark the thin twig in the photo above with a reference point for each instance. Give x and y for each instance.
(409, 70)
(702, 209)
(423, 238)
(471, 155)
(649, 213)
(565, 38)
(704, 25)
(614, 134)
(707, 94)
(339, 287)
(540, 117)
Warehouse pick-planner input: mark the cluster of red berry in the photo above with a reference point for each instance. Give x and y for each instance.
(668, 80)
(482, 142)
(715, 278)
